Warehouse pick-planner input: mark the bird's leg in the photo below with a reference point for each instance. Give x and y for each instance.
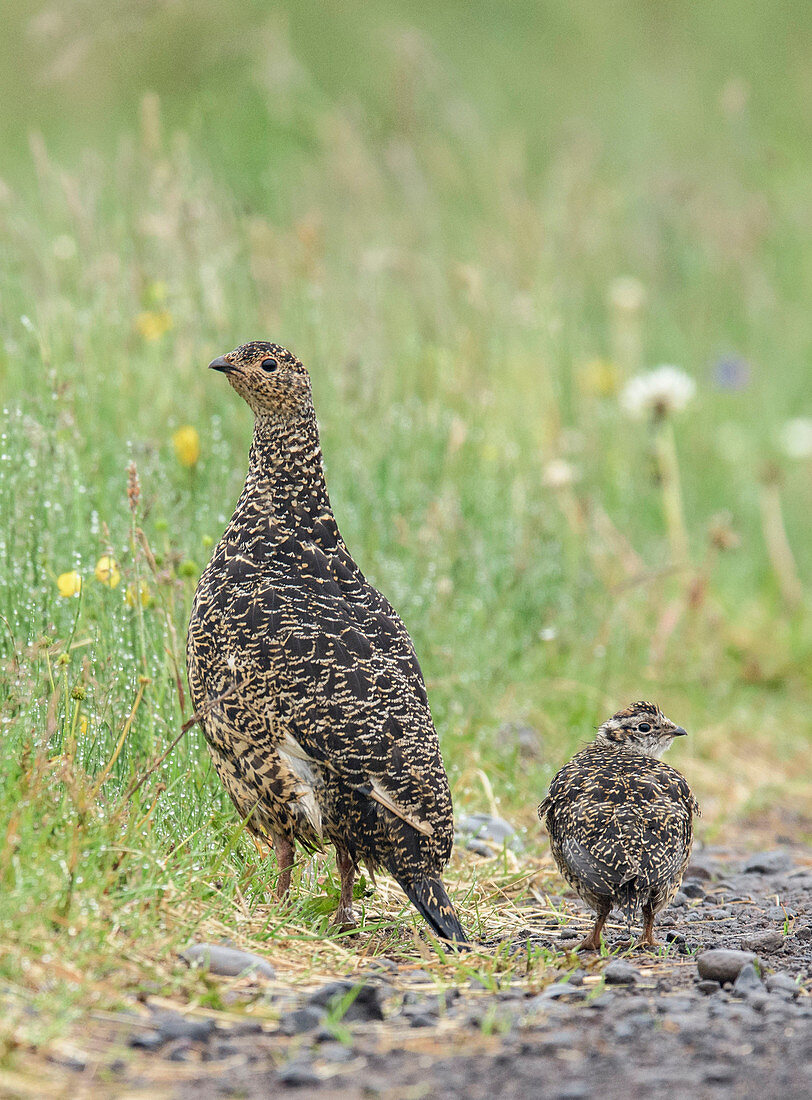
(647, 939)
(593, 940)
(344, 916)
(284, 859)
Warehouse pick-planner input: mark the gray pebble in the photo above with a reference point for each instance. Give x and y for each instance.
(679, 900)
(723, 964)
(147, 1040)
(558, 990)
(767, 863)
(226, 961)
(707, 986)
(692, 889)
(366, 1003)
(489, 828)
(300, 1020)
(782, 982)
(422, 1019)
(174, 1026)
(768, 941)
(748, 981)
(804, 933)
(618, 972)
(298, 1074)
(780, 913)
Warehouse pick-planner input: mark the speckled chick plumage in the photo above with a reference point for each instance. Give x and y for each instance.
(620, 820)
(324, 732)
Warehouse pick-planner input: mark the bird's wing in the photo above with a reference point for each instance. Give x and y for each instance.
(344, 696)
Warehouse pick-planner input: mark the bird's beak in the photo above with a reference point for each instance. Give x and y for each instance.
(221, 363)
(678, 731)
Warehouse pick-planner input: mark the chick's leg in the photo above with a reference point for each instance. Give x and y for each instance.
(284, 859)
(593, 940)
(344, 916)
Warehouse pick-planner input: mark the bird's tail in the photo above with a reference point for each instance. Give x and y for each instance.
(428, 896)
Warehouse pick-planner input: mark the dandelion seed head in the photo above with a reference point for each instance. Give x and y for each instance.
(657, 393)
(796, 437)
(558, 473)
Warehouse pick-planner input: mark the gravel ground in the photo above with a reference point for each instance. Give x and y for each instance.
(727, 1012)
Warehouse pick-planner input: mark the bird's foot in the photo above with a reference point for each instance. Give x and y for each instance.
(344, 919)
(647, 941)
(591, 943)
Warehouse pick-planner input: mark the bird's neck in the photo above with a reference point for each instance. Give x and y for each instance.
(285, 473)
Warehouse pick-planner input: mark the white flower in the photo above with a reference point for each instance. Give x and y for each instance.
(796, 437)
(657, 393)
(559, 473)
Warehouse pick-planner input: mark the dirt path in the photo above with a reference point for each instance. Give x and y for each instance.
(634, 1026)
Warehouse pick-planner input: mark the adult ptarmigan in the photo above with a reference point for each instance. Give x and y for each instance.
(323, 732)
(621, 821)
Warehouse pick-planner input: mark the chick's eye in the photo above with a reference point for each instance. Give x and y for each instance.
(269, 364)
(644, 727)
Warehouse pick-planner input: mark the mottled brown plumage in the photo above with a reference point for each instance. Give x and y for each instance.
(327, 735)
(621, 821)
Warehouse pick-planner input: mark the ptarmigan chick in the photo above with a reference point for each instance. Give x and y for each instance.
(323, 732)
(621, 821)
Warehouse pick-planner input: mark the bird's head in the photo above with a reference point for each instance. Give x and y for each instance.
(269, 377)
(641, 727)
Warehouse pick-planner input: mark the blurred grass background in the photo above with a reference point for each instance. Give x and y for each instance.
(474, 223)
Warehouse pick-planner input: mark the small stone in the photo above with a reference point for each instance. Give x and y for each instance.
(422, 1019)
(298, 1074)
(698, 869)
(172, 1025)
(679, 900)
(618, 972)
(781, 982)
(723, 964)
(301, 1020)
(226, 961)
(489, 828)
(804, 933)
(366, 1002)
(675, 937)
(480, 848)
(147, 1040)
(768, 941)
(748, 981)
(692, 889)
(758, 999)
(708, 986)
(767, 863)
(569, 934)
(557, 991)
(779, 913)
(719, 1073)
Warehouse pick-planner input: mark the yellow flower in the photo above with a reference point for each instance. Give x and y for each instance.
(186, 442)
(69, 584)
(153, 323)
(83, 724)
(598, 378)
(138, 592)
(107, 571)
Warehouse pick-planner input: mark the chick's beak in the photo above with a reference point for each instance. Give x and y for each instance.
(678, 731)
(221, 363)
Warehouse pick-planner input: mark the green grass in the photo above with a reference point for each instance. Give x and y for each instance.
(431, 209)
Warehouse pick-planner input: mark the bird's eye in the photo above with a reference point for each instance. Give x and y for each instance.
(644, 727)
(269, 364)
